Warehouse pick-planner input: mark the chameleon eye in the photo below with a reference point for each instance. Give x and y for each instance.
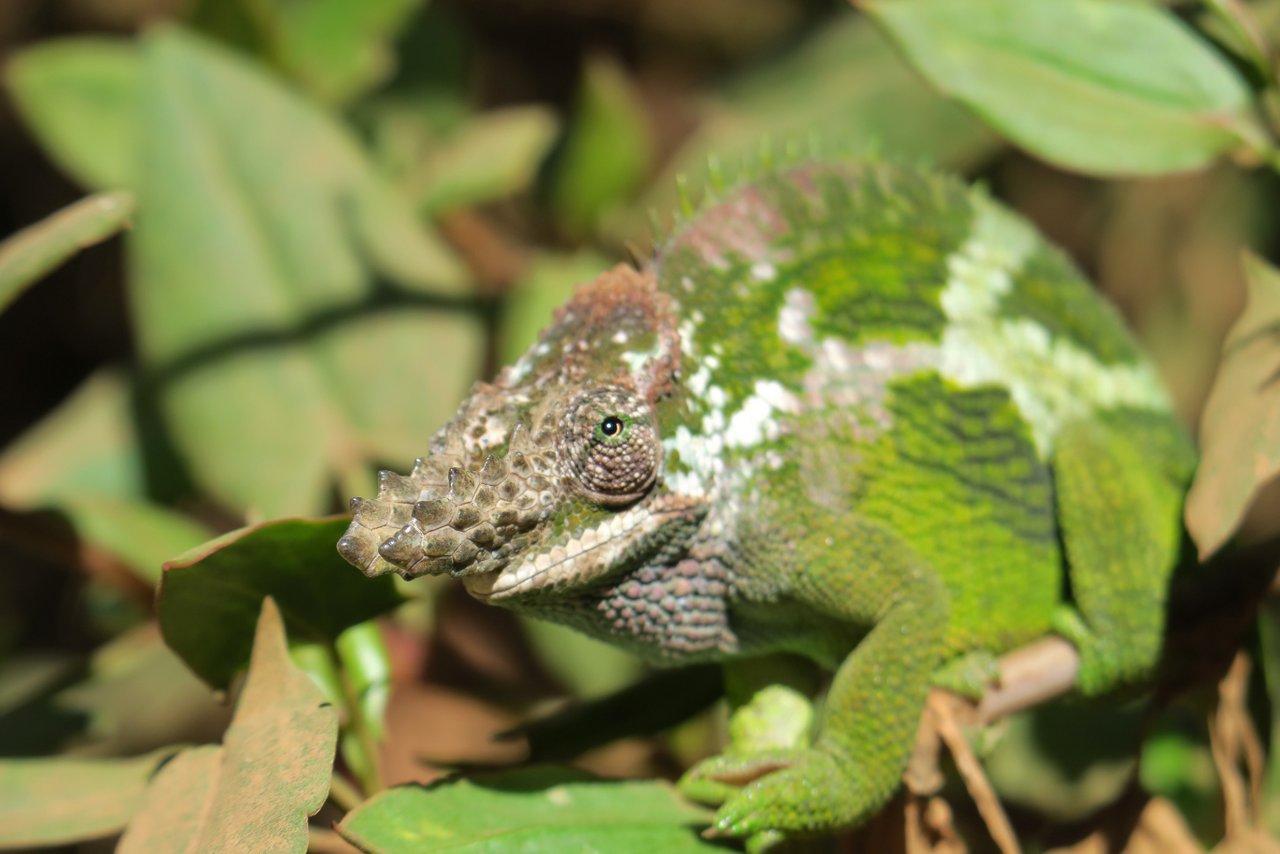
(611, 445)
(612, 428)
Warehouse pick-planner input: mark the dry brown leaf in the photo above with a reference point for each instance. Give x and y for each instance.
(1240, 428)
(254, 792)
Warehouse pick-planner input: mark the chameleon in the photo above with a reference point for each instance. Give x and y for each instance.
(852, 412)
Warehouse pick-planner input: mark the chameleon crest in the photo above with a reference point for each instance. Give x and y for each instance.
(853, 412)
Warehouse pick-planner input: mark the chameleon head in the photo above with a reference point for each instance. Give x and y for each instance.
(550, 477)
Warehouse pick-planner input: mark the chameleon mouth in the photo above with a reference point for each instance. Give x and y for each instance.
(584, 559)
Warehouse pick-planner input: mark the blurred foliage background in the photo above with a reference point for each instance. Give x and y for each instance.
(346, 213)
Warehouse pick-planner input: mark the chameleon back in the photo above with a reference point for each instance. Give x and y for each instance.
(882, 341)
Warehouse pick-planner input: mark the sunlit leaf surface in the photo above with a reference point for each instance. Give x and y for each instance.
(533, 810)
(1102, 87)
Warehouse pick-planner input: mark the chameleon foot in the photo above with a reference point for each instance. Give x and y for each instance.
(770, 795)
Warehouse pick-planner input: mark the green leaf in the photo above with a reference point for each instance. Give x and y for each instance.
(1240, 424)
(253, 793)
(58, 801)
(606, 150)
(79, 97)
(337, 48)
(494, 155)
(530, 810)
(178, 708)
(859, 96)
(84, 460)
(86, 446)
(27, 256)
(282, 357)
(209, 598)
(1101, 87)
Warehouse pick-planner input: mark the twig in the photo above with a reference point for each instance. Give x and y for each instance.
(943, 708)
(1029, 676)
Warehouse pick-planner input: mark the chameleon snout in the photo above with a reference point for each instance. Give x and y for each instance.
(448, 518)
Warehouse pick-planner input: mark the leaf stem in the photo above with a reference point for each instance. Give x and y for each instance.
(343, 793)
(1236, 17)
(364, 675)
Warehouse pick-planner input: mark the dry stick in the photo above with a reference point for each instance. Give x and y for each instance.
(943, 709)
(1029, 676)
(1231, 736)
(1047, 668)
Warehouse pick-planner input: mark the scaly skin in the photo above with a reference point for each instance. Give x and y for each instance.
(854, 412)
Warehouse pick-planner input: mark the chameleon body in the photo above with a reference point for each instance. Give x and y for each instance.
(855, 412)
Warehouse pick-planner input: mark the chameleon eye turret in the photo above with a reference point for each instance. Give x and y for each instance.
(612, 446)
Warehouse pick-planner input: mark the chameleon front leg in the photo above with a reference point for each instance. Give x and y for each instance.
(868, 576)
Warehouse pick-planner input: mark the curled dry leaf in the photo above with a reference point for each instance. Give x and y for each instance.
(1240, 428)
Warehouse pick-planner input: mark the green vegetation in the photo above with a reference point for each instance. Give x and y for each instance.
(256, 250)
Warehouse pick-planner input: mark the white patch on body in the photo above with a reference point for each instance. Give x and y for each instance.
(763, 271)
(1050, 380)
(798, 306)
(636, 360)
(517, 372)
(756, 421)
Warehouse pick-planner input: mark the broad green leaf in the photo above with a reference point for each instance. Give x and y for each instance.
(338, 48)
(26, 676)
(1240, 425)
(261, 242)
(84, 460)
(858, 96)
(489, 157)
(140, 533)
(255, 792)
(209, 598)
(178, 706)
(28, 255)
(548, 284)
(58, 801)
(1101, 87)
(86, 446)
(530, 810)
(79, 97)
(606, 149)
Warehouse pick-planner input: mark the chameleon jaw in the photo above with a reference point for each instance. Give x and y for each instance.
(590, 556)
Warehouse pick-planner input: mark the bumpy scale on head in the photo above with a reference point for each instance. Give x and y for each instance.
(548, 476)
